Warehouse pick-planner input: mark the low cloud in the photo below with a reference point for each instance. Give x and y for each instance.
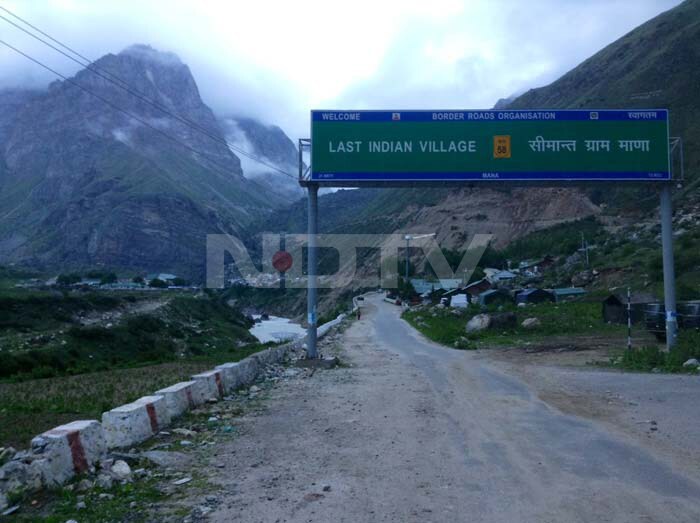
(277, 63)
(237, 137)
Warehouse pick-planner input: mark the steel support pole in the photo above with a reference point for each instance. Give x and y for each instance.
(407, 256)
(669, 271)
(312, 270)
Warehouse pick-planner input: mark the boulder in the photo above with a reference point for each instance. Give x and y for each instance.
(531, 323)
(504, 320)
(692, 362)
(121, 470)
(582, 278)
(478, 323)
(19, 476)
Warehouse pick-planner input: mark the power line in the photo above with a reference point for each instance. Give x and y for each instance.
(106, 75)
(224, 170)
(44, 34)
(115, 80)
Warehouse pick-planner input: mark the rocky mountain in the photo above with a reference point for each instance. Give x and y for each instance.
(125, 184)
(656, 65)
(455, 215)
(270, 144)
(503, 103)
(82, 184)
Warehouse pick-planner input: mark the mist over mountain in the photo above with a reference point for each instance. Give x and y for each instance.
(84, 184)
(270, 144)
(125, 184)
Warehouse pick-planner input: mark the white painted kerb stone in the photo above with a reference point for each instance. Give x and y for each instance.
(231, 373)
(210, 384)
(249, 369)
(135, 422)
(68, 449)
(180, 397)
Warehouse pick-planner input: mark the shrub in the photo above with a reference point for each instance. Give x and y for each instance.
(108, 278)
(91, 333)
(68, 279)
(648, 358)
(645, 358)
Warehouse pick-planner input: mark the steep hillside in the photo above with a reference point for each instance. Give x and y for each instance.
(456, 215)
(85, 184)
(270, 144)
(657, 65)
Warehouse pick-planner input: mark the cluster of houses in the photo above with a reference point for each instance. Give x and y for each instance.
(501, 287)
(485, 292)
(497, 287)
(169, 281)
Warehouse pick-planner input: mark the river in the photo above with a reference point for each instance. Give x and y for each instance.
(276, 329)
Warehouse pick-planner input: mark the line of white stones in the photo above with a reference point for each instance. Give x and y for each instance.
(64, 451)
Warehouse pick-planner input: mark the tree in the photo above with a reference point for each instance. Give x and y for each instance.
(406, 290)
(65, 280)
(138, 279)
(179, 282)
(158, 284)
(110, 277)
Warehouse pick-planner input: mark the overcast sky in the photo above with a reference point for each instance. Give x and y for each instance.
(276, 60)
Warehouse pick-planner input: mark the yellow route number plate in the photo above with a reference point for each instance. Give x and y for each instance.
(501, 146)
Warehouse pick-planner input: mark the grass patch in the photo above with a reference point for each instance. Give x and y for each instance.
(30, 407)
(62, 504)
(187, 327)
(447, 326)
(646, 359)
(43, 311)
(82, 371)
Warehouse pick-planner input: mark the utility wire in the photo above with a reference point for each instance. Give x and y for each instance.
(44, 34)
(115, 80)
(224, 171)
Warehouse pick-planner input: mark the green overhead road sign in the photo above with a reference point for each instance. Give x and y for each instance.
(398, 146)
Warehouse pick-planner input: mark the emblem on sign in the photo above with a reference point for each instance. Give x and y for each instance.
(501, 146)
(396, 116)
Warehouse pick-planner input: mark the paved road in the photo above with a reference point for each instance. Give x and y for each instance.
(417, 432)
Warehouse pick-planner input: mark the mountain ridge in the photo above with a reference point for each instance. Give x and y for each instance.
(654, 66)
(84, 184)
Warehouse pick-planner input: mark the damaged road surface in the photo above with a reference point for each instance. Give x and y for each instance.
(411, 431)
